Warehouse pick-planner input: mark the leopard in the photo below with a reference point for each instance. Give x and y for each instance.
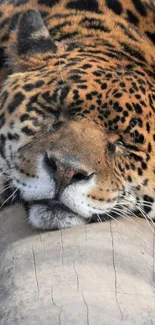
(77, 109)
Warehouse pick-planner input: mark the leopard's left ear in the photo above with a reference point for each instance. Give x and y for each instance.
(31, 42)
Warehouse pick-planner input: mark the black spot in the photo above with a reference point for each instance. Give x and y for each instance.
(138, 96)
(117, 107)
(127, 166)
(144, 166)
(50, 98)
(134, 148)
(149, 147)
(122, 84)
(129, 178)
(145, 182)
(131, 90)
(115, 6)
(123, 119)
(75, 77)
(24, 117)
(140, 172)
(2, 120)
(92, 107)
(140, 7)
(137, 108)
(89, 96)
(139, 138)
(76, 94)
(132, 18)
(28, 87)
(38, 84)
(125, 113)
(148, 127)
(86, 66)
(13, 137)
(118, 95)
(2, 145)
(142, 89)
(151, 36)
(28, 131)
(48, 3)
(2, 57)
(97, 74)
(17, 100)
(83, 5)
(143, 103)
(64, 92)
(104, 86)
(82, 86)
(149, 199)
(134, 86)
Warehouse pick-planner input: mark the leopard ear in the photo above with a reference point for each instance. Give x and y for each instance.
(30, 43)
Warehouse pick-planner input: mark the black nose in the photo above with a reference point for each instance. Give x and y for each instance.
(64, 174)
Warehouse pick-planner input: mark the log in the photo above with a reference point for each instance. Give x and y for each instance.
(98, 274)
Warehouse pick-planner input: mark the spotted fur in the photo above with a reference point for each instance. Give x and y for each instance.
(77, 134)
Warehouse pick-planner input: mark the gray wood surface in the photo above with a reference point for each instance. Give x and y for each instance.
(100, 274)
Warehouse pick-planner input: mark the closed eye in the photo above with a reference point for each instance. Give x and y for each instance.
(57, 125)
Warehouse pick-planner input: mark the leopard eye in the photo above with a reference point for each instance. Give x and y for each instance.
(56, 126)
(121, 148)
(111, 147)
(115, 146)
(120, 144)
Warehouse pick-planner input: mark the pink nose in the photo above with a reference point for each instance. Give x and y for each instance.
(65, 175)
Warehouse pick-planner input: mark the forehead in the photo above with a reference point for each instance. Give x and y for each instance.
(85, 90)
(81, 86)
(112, 97)
(82, 75)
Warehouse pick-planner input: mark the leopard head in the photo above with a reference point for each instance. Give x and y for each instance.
(76, 132)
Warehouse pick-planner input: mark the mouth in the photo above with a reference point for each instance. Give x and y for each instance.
(51, 215)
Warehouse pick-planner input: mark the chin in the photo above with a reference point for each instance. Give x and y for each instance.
(52, 215)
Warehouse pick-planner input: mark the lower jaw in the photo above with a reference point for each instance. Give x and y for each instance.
(51, 215)
(57, 207)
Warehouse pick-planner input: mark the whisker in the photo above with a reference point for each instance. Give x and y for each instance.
(120, 213)
(99, 218)
(4, 189)
(9, 197)
(111, 217)
(147, 218)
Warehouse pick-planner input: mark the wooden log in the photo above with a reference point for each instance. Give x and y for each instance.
(99, 274)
